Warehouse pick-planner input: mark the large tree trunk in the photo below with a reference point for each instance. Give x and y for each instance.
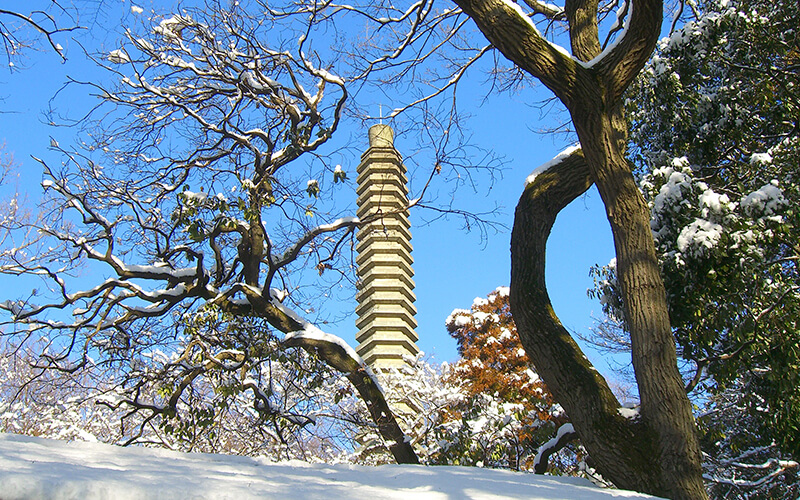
(665, 408)
(647, 453)
(616, 444)
(660, 454)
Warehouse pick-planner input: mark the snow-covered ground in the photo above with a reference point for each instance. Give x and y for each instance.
(41, 469)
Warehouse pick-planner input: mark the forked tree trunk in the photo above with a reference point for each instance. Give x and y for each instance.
(653, 453)
(616, 444)
(659, 453)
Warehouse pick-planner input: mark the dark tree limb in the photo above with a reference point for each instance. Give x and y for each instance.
(362, 379)
(562, 439)
(342, 358)
(519, 41)
(620, 446)
(47, 32)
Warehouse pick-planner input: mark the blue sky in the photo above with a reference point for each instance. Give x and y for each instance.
(452, 266)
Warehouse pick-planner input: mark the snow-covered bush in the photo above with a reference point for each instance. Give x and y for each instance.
(506, 412)
(739, 462)
(50, 404)
(296, 415)
(258, 398)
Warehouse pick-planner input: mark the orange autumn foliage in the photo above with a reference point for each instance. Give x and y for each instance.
(494, 364)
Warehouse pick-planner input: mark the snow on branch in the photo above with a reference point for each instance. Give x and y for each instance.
(291, 253)
(565, 434)
(620, 28)
(203, 73)
(778, 468)
(560, 157)
(42, 22)
(549, 10)
(522, 15)
(339, 354)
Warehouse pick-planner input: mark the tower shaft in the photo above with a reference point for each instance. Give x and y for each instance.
(386, 289)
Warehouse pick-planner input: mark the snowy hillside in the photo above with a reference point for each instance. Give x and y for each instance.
(42, 469)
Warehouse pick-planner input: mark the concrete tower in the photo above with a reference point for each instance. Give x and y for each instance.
(385, 298)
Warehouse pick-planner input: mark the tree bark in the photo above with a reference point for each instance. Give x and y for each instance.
(370, 393)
